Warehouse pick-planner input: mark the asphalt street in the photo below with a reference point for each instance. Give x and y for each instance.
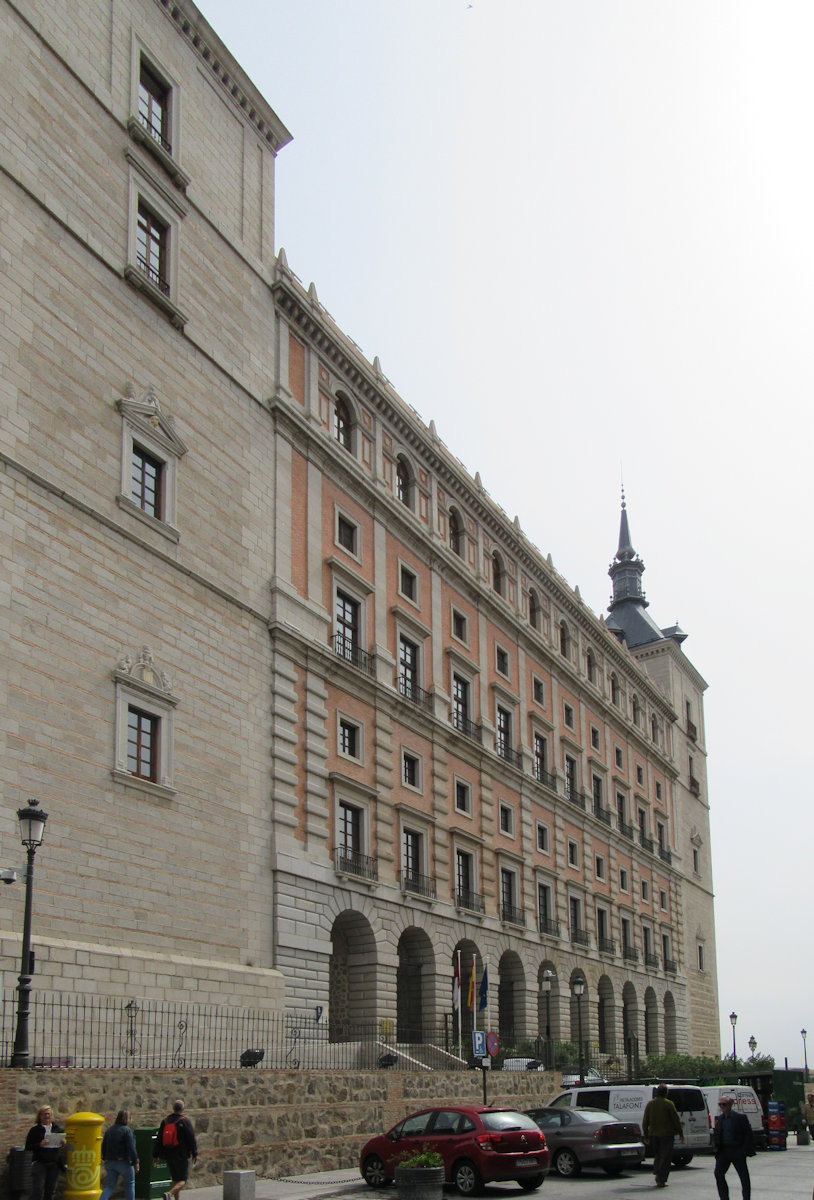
(776, 1175)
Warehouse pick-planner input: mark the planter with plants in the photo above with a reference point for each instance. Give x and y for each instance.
(420, 1175)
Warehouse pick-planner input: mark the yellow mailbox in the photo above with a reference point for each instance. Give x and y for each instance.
(84, 1139)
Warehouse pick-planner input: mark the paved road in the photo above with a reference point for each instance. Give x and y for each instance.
(776, 1175)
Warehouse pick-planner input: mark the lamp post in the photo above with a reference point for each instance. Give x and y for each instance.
(752, 1044)
(733, 1019)
(578, 986)
(545, 985)
(32, 828)
(803, 1033)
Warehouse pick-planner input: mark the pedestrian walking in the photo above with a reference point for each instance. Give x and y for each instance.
(733, 1143)
(807, 1112)
(119, 1156)
(45, 1141)
(176, 1144)
(661, 1125)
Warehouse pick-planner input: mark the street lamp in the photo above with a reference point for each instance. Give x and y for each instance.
(578, 986)
(752, 1044)
(805, 1053)
(545, 984)
(733, 1018)
(32, 828)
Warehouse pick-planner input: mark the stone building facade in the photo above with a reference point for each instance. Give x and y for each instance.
(312, 718)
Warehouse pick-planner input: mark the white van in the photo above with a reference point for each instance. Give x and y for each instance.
(627, 1102)
(746, 1101)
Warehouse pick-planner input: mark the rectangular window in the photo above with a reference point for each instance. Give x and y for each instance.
(596, 787)
(538, 691)
(568, 715)
(599, 867)
(154, 106)
(594, 737)
(347, 626)
(575, 914)
(152, 247)
(570, 775)
(411, 853)
(639, 773)
(506, 819)
(645, 891)
(464, 875)
(543, 838)
(602, 926)
(142, 743)
(573, 853)
(350, 828)
(146, 479)
(619, 758)
(545, 912)
(661, 836)
(540, 758)
(627, 934)
(463, 797)
(647, 940)
(665, 947)
(408, 583)
(408, 668)
(700, 957)
(663, 903)
(346, 534)
(502, 661)
(621, 807)
(696, 861)
(349, 738)
(410, 770)
(507, 889)
(623, 885)
(658, 790)
(460, 702)
(459, 625)
(503, 734)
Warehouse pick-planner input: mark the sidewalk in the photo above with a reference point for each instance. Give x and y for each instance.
(313, 1186)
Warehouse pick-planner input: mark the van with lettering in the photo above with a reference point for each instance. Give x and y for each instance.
(627, 1102)
(745, 1101)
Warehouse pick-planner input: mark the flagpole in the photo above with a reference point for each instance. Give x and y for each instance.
(474, 998)
(460, 1032)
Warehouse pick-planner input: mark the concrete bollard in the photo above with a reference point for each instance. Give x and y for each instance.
(238, 1185)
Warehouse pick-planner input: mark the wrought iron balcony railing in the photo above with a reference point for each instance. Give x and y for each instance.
(420, 885)
(602, 814)
(548, 927)
(465, 726)
(606, 945)
(346, 648)
(472, 901)
(650, 960)
(665, 855)
(354, 863)
(629, 954)
(542, 776)
(512, 914)
(646, 842)
(692, 731)
(155, 133)
(574, 795)
(155, 277)
(412, 692)
(626, 830)
(670, 967)
(505, 751)
(580, 936)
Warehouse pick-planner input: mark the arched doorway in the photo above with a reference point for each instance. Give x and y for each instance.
(606, 1016)
(548, 1011)
(670, 1029)
(510, 1015)
(651, 1022)
(352, 977)
(630, 1024)
(414, 981)
(469, 1019)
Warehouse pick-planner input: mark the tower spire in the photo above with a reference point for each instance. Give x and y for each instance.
(627, 568)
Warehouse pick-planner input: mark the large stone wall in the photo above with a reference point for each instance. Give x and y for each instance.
(273, 1122)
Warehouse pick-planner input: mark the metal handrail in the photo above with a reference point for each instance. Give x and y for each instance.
(411, 691)
(354, 863)
(420, 885)
(473, 901)
(513, 915)
(552, 928)
(465, 726)
(345, 647)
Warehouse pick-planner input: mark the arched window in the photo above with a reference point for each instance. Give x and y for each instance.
(535, 614)
(565, 640)
(590, 665)
(614, 690)
(343, 428)
(404, 483)
(456, 532)
(637, 712)
(498, 575)
(654, 730)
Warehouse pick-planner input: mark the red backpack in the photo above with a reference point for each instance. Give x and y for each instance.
(169, 1136)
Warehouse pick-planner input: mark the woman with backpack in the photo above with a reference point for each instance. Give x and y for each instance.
(119, 1156)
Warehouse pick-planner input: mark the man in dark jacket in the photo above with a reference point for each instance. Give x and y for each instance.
(732, 1142)
(176, 1144)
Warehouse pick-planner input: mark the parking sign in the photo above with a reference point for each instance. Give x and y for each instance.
(478, 1043)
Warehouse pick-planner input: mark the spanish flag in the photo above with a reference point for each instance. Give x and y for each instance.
(470, 995)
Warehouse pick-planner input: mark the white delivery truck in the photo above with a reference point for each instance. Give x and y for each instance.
(627, 1102)
(746, 1102)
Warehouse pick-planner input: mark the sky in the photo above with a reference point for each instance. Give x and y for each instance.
(579, 237)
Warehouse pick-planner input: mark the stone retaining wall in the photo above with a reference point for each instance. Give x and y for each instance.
(273, 1122)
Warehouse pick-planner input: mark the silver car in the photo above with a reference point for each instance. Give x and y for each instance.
(588, 1137)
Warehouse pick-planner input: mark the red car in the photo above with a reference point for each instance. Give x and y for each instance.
(478, 1145)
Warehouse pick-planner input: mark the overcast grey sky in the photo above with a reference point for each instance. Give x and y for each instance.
(579, 237)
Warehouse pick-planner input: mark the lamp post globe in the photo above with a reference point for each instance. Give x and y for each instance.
(578, 988)
(752, 1044)
(32, 830)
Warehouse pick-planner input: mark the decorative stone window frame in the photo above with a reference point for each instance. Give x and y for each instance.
(506, 810)
(145, 425)
(538, 690)
(140, 684)
(341, 515)
(404, 568)
(169, 160)
(343, 718)
(412, 821)
(463, 783)
(418, 787)
(355, 795)
(600, 871)
(456, 613)
(145, 188)
(543, 838)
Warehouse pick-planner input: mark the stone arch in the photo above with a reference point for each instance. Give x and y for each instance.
(606, 1016)
(344, 421)
(630, 1019)
(469, 953)
(415, 985)
(670, 1026)
(651, 1022)
(579, 1020)
(548, 1011)
(352, 975)
(510, 1009)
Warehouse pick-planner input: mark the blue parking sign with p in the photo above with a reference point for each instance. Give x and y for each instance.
(478, 1043)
